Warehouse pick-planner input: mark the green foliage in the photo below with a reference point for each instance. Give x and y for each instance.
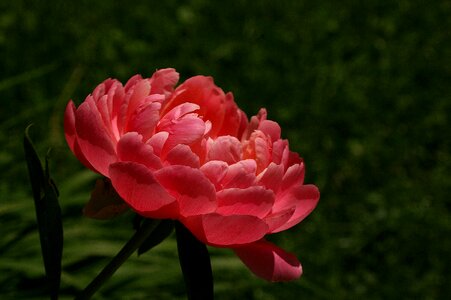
(360, 88)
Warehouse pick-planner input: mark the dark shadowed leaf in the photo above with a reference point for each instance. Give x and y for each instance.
(48, 215)
(163, 230)
(195, 263)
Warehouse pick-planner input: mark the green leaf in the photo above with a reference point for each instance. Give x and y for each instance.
(195, 263)
(163, 230)
(48, 215)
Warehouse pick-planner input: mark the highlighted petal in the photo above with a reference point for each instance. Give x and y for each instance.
(138, 187)
(269, 262)
(217, 230)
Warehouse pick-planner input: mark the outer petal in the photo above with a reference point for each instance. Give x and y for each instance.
(270, 262)
(69, 125)
(138, 187)
(305, 198)
(217, 230)
(253, 201)
(193, 191)
(94, 141)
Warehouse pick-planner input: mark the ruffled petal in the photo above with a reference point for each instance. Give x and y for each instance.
(254, 201)
(193, 191)
(94, 141)
(269, 262)
(132, 148)
(225, 231)
(136, 184)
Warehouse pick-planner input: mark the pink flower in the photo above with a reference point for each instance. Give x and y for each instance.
(190, 154)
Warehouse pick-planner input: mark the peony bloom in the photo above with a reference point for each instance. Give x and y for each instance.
(190, 154)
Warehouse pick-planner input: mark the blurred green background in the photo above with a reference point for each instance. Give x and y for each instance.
(361, 89)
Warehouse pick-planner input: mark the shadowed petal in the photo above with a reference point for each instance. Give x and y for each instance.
(218, 230)
(94, 141)
(269, 262)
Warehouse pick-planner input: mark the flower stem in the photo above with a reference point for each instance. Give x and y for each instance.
(136, 240)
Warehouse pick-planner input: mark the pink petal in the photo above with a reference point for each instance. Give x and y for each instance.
(240, 175)
(93, 138)
(271, 129)
(224, 148)
(193, 191)
(163, 81)
(215, 171)
(293, 176)
(157, 142)
(304, 198)
(269, 262)
(253, 201)
(146, 118)
(71, 135)
(131, 148)
(262, 153)
(69, 124)
(136, 184)
(218, 230)
(182, 155)
(276, 220)
(271, 177)
(232, 118)
(183, 127)
(139, 93)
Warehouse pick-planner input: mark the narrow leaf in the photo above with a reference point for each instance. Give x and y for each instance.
(163, 230)
(195, 263)
(48, 215)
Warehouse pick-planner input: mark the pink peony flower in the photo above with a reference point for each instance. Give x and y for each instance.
(190, 154)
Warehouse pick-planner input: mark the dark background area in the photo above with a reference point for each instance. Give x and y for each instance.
(361, 90)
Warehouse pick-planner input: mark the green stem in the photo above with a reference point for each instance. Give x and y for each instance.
(137, 239)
